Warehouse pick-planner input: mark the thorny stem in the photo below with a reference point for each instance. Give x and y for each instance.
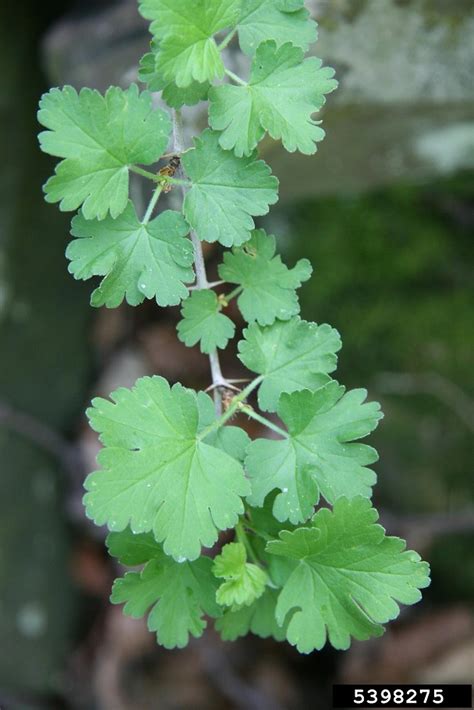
(201, 276)
(234, 407)
(211, 284)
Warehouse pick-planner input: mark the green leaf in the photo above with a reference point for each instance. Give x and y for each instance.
(285, 21)
(258, 618)
(177, 595)
(158, 475)
(349, 578)
(317, 456)
(204, 323)
(231, 439)
(187, 49)
(245, 582)
(99, 137)
(226, 193)
(138, 260)
(131, 549)
(269, 287)
(283, 93)
(291, 356)
(175, 96)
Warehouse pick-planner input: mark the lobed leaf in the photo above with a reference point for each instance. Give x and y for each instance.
(269, 287)
(99, 137)
(226, 192)
(204, 323)
(139, 260)
(258, 618)
(175, 96)
(177, 596)
(291, 356)
(317, 457)
(158, 474)
(283, 93)
(187, 49)
(349, 578)
(284, 21)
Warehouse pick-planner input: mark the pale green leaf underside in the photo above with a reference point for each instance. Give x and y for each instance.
(317, 457)
(158, 475)
(138, 260)
(291, 356)
(226, 192)
(187, 50)
(177, 596)
(349, 578)
(269, 287)
(262, 20)
(99, 137)
(283, 93)
(203, 322)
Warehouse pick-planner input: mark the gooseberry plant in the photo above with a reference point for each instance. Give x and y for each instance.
(303, 557)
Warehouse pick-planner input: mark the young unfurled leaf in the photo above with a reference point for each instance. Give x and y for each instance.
(269, 287)
(177, 596)
(317, 456)
(291, 356)
(187, 49)
(283, 93)
(158, 474)
(244, 582)
(226, 192)
(138, 260)
(175, 96)
(258, 618)
(133, 549)
(349, 580)
(204, 323)
(99, 137)
(284, 21)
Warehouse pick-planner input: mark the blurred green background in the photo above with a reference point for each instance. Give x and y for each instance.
(385, 212)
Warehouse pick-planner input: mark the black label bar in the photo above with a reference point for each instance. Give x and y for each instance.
(402, 696)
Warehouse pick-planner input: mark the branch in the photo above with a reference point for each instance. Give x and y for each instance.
(218, 379)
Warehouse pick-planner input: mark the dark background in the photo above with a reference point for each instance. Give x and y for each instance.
(393, 272)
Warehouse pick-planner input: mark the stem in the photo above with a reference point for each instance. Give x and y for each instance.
(235, 78)
(201, 275)
(243, 539)
(236, 404)
(266, 422)
(174, 181)
(152, 205)
(227, 40)
(143, 173)
(232, 294)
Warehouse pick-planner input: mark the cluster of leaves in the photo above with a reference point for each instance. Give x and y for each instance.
(173, 473)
